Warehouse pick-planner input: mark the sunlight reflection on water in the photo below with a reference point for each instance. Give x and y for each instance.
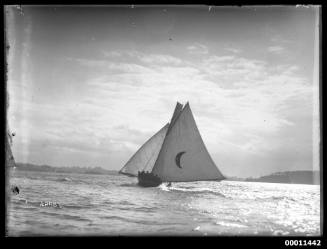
(114, 204)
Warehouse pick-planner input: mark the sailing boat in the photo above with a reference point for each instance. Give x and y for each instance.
(174, 154)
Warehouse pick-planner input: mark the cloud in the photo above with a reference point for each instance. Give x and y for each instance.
(160, 59)
(241, 105)
(111, 53)
(279, 39)
(233, 50)
(276, 49)
(242, 93)
(146, 58)
(198, 49)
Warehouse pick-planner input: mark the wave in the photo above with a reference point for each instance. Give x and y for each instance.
(164, 187)
(78, 207)
(128, 185)
(139, 209)
(65, 216)
(145, 209)
(26, 208)
(130, 220)
(114, 217)
(64, 179)
(25, 201)
(193, 190)
(276, 198)
(283, 198)
(74, 217)
(229, 224)
(72, 180)
(123, 202)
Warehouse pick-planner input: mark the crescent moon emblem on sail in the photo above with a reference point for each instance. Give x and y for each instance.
(178, 159)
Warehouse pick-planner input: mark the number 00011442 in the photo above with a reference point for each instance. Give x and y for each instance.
(303, 242)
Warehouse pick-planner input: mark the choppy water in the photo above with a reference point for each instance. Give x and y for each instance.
(114, 205)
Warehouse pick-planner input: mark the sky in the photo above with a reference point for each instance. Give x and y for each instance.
(87, 86)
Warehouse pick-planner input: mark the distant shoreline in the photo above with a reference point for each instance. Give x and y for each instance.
(74, 169)
(291, 177)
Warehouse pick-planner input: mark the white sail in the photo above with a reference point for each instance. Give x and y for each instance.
(147, 154)
(183, 156)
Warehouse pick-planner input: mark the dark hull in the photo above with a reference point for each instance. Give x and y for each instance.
(148, 180)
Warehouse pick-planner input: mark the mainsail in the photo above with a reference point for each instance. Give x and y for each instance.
(146, 155)
(183, 156)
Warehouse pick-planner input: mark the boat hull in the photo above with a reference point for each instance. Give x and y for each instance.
(148, 180)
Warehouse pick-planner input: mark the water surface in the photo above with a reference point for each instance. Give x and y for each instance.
(85, 204)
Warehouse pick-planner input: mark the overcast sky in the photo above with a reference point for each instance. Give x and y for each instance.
(89, 85)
